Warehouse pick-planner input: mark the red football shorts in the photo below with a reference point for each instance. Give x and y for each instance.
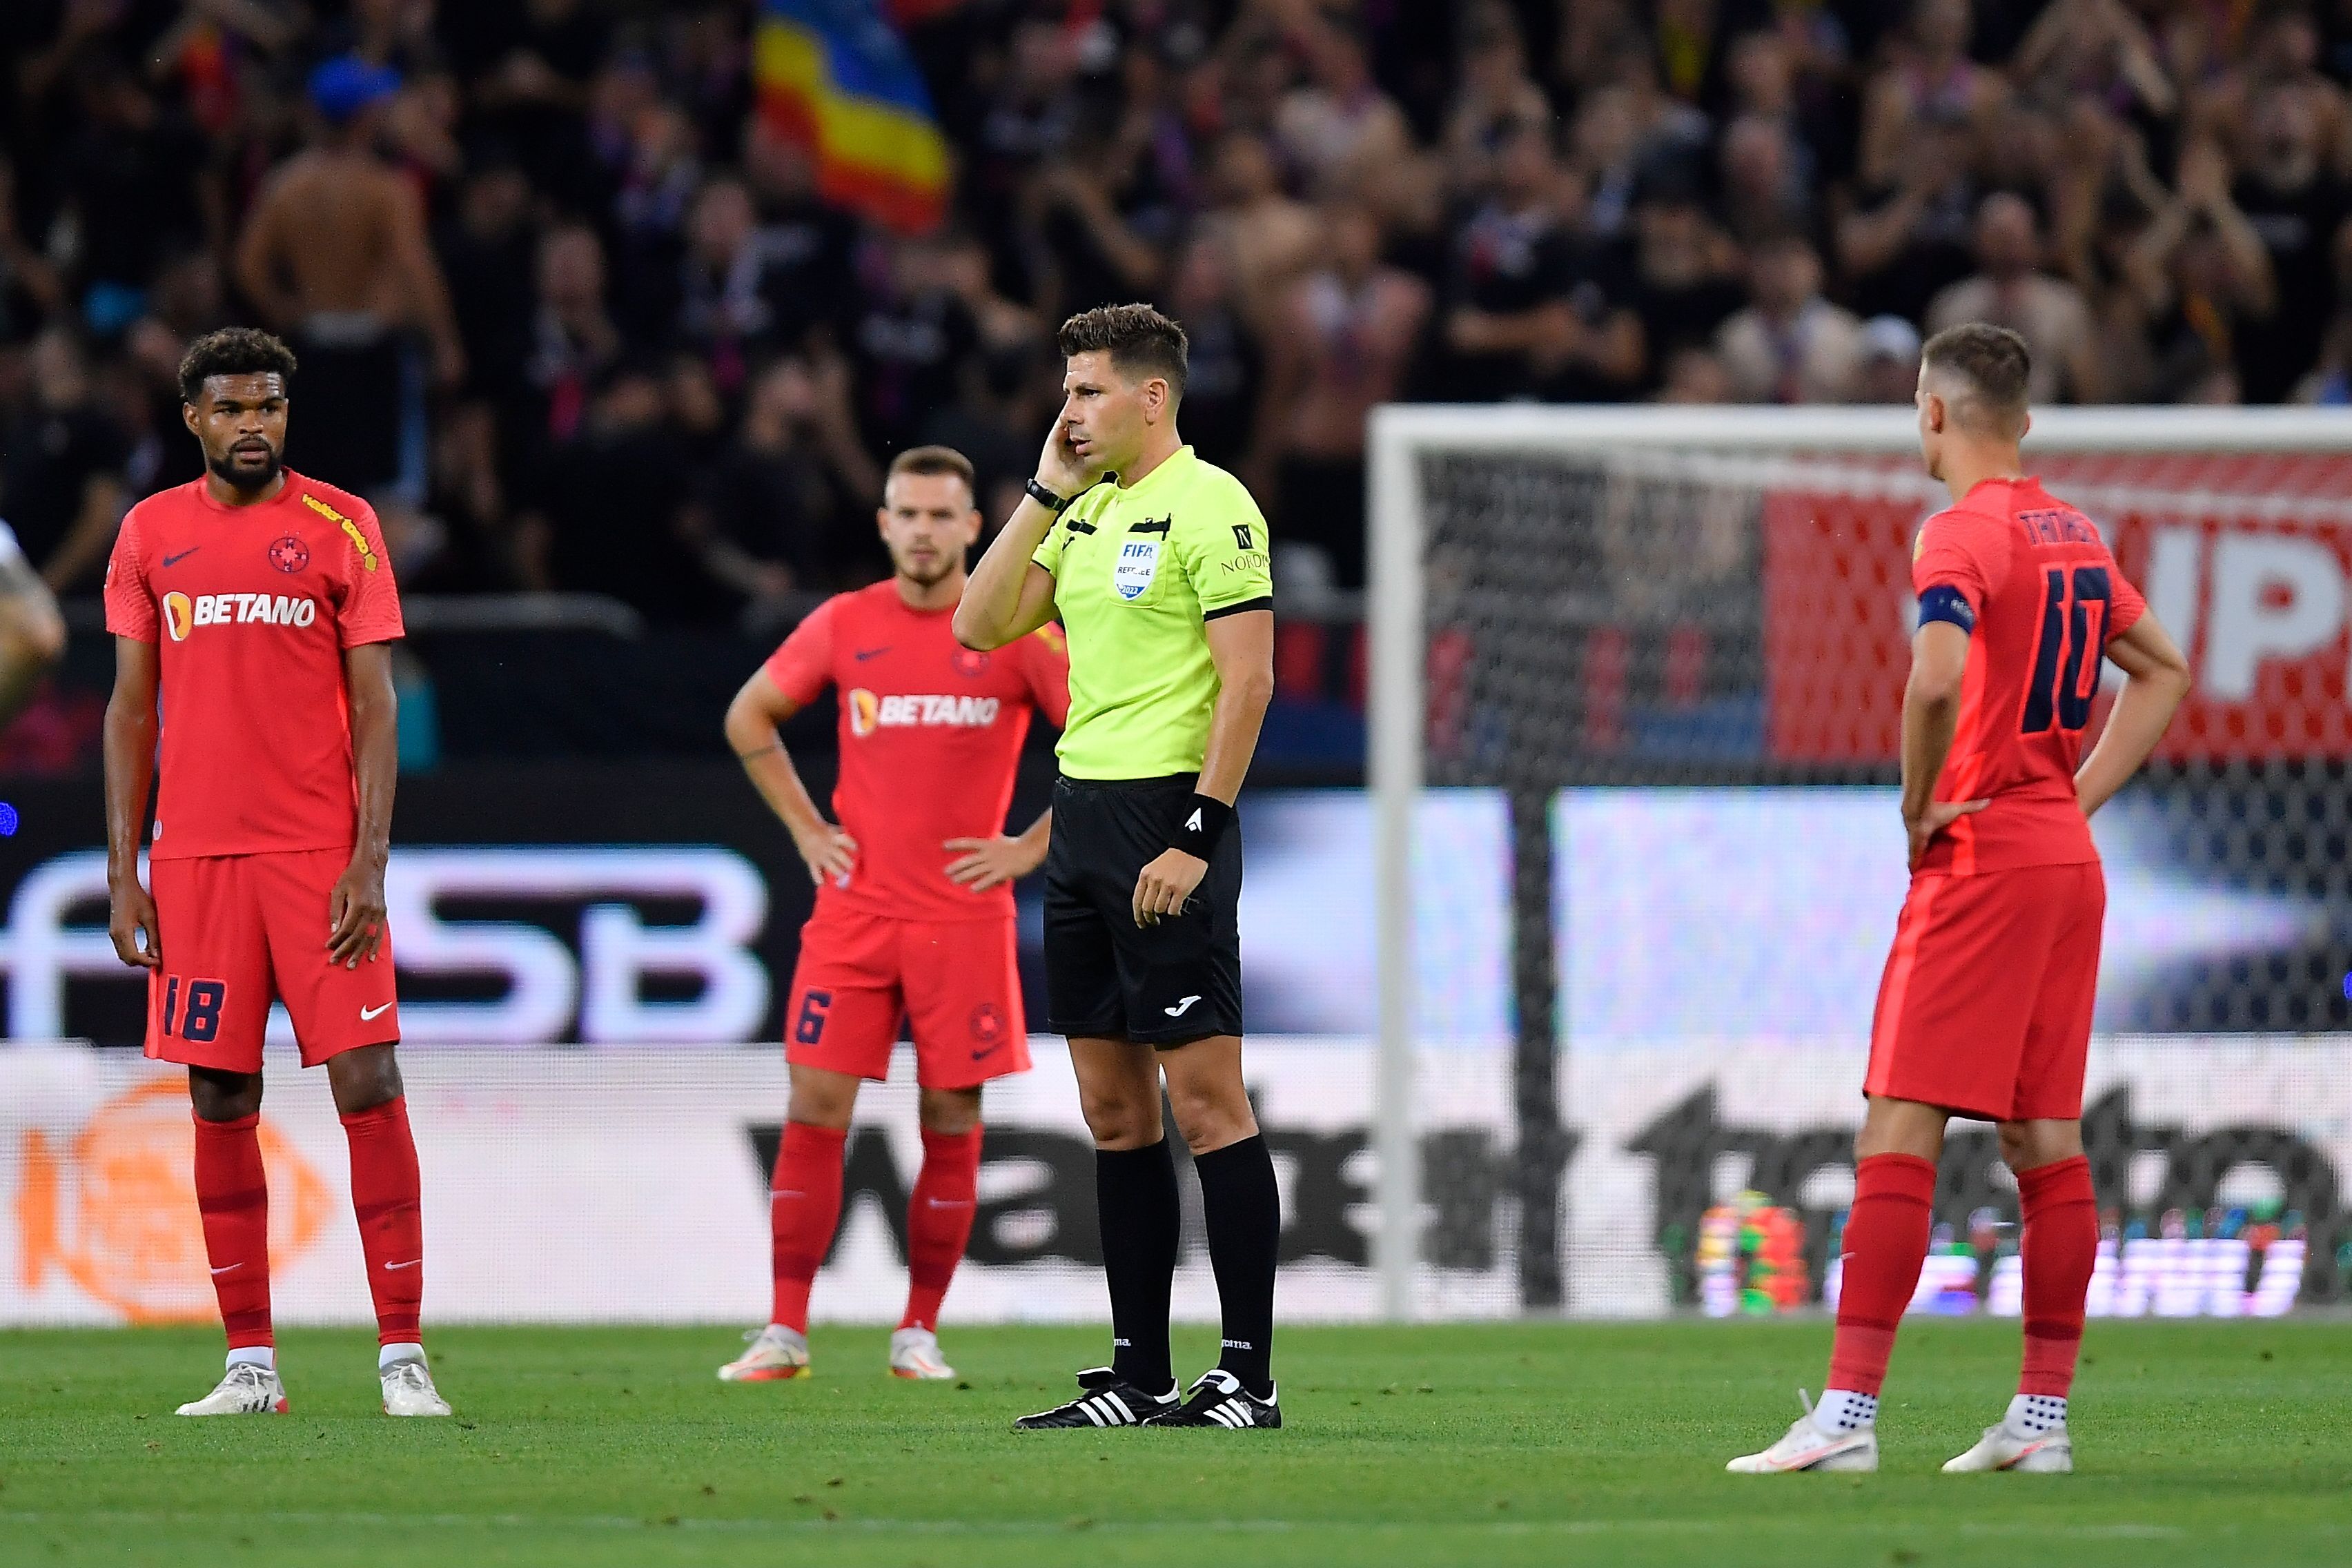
(239, 931)
(1985, 1008)
(957, 983)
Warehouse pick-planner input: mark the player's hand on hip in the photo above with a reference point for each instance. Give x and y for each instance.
(1939, 814)
(828, 851)
(355, 915)
(131, 915)
(984, 863)
(1166, 884)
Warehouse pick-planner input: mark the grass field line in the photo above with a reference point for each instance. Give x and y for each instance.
(737, 1525)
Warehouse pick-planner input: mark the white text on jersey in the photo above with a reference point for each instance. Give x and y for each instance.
(868, 712)
(183, 614)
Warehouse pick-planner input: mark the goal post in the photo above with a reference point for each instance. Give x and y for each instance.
(1568, 600)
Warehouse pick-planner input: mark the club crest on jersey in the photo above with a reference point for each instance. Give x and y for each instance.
(1139, 562)
(970, 663)
(288, 554)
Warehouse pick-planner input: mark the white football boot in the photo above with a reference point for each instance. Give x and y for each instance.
(2051, 1453)
(1806, 1446)
(777, 1354)
(408, 1390)
(915, 1354)
(248, 1390)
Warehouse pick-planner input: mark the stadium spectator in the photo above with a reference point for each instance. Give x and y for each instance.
(1908, 237)
(1224, 378)
(1686, 272)
(1493, 97)
(573, 340)
(1927, 79)
(1890, 360)
(2154, 195)
(1343, 344)
(2295, 204)
(770, 514)
(335, 257)
(1345, 137)
(1789, 344)
(2013, 292)
(61, 474)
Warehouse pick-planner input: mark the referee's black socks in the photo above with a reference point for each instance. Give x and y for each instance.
(1142, 1224)
(1242, 1204)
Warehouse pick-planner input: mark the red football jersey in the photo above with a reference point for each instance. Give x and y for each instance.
(931, 740)
(2045, 598)
(251, 609)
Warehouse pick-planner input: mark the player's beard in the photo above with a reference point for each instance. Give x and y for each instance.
(225, 469)
(941, 568)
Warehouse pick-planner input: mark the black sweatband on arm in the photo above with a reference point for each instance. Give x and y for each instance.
(1046, 499)
(1204, 823)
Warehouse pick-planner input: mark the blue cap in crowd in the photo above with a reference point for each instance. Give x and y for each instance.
(344, 86)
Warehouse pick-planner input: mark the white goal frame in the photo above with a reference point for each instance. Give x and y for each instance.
(1401, 435)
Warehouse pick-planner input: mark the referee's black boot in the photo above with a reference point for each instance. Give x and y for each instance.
(1218, 1399)
(1106, 1399)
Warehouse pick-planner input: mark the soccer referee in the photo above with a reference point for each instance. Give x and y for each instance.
(1155, 563)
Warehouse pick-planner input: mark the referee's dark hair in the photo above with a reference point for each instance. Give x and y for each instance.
(1136, 337)
(233, 351)
(1991, 364)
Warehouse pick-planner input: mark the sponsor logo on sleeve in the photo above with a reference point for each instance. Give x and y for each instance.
(358, 537)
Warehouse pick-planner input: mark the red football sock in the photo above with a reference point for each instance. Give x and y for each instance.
(2060, 1248)
(803, 1208)
(233, 1197)
(1886, 1244)
(939, 1222)
(385, 1195)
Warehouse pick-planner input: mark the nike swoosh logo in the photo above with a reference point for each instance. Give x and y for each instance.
(983, 1056)
(367, 1013)
(1181, 1008)
(224, 1269)
(410, 1264)
(862, 654)
(183, 555)
(1812, 1455)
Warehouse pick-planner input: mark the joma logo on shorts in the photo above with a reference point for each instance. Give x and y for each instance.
(868, 712)
(184, 613)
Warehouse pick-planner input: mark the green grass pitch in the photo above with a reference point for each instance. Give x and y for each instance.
(1544, 1444)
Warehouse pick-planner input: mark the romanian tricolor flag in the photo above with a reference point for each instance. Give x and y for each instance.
(833, 76)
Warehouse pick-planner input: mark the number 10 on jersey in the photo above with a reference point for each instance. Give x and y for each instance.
(2059, 693)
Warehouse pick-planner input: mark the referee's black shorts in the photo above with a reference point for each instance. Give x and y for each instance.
(1106, 977)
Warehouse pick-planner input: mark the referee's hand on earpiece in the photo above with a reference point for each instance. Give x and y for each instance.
(1062, 467)
(1166, 884)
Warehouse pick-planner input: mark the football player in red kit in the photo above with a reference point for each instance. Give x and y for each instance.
(914, 907)
(1985, 1007)
(257, 603)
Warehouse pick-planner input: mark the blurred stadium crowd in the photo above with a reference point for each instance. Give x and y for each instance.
(571, 313)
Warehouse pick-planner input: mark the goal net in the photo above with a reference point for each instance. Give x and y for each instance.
(1663, 651)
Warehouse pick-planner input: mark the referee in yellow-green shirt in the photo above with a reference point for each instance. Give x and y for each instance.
(1155, 563)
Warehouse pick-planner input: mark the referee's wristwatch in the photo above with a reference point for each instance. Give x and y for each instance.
(1055, 504)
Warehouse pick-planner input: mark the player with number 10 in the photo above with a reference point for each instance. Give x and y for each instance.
(1985, 1007)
